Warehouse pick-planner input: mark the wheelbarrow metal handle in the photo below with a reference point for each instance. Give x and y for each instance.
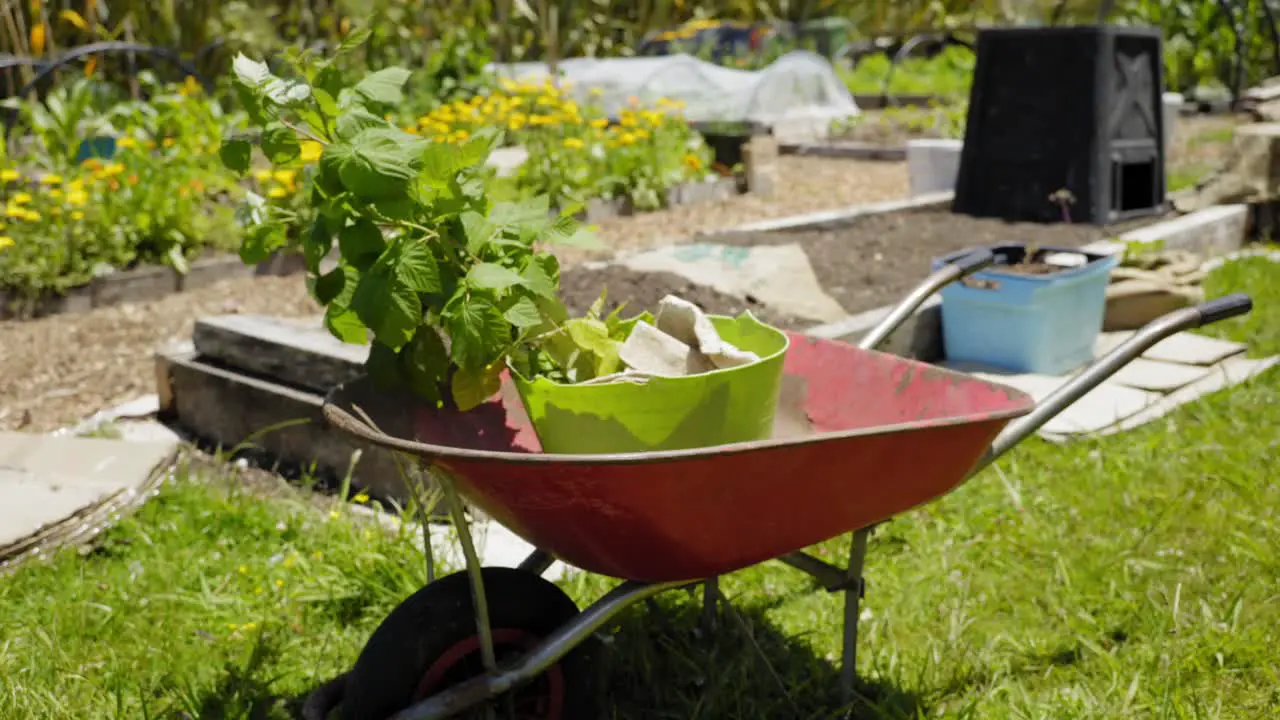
(1106, 366)
(943, 276)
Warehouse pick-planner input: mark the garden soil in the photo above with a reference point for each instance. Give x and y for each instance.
(878, 259)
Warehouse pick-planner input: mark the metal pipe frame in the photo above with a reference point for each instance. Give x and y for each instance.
(848, 579)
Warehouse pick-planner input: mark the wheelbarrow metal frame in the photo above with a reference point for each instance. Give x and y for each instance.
(848, 579)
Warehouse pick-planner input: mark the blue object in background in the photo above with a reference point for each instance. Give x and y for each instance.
(102, 147)
(1045, 324)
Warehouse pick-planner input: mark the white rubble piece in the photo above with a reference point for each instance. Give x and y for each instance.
(653, 352)
(687, 323)
(684, 342)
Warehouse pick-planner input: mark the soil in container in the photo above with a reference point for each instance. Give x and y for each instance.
(874, 261)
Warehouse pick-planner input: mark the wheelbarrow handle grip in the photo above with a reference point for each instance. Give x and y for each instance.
(974, 261)
(1227, 306)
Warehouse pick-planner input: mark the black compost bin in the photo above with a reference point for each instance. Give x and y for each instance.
(1066, 108)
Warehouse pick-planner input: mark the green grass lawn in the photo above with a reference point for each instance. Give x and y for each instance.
(1136, 576)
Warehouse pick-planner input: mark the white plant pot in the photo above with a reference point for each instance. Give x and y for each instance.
(932, 165)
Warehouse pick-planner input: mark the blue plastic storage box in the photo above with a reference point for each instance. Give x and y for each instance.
(1045, 324)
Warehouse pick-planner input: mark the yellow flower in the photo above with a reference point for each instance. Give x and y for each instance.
(642, 134)
(262, 175)
(600, 123)
(311, 151)
(32, 216)
(279, 583)
(168, 142)
(361, 498)
(462, 135)
(126, 143)
(277, 192)
(285, 177)
(77, 197)
(5, 242)
(111, 169)
(573, 143)
(21, 198)
(190, 87)
(55, 193)
(9, 175)
(244, 569)
(51, 180)
(627, 139)
(15, 212)
(77, 215)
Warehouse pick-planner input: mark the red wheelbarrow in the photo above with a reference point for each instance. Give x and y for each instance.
(860, 436)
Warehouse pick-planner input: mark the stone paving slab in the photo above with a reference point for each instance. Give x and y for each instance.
(1176, 371)
(48, 481)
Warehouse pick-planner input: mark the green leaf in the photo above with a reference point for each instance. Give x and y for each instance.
(478, 229)
(287, 93)
(384, 86)
(378, 162)
(472, 388)
(478, 332)
(350, 123)
(260, 241)
(425, 364)
(567, 232)
(316, 243)
(437, 165)
(330, 286)
(383, 367)
(475, 151)
(345, 325)
(235, 154)
(542, 275)
(530, 213)
(250, 73)
(592, 335)
(353, 40)
(523, 313)
(391, 309)
(280, 144)
(324, 100)
(361, 243)
(491, 276)
(416, 267)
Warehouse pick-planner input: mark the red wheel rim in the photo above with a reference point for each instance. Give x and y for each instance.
(545, 694)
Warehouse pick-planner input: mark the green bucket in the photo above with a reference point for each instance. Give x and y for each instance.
(676, 413)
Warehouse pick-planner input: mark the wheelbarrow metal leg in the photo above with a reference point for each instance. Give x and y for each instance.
(528, 666)
(852, 607)
(710, 605)
(538, 562)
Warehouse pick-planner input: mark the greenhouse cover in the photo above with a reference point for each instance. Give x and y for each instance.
(798, 94)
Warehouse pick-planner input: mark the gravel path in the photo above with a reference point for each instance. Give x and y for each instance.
(58, 370)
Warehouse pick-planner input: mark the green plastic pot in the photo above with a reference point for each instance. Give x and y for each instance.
(716, 408)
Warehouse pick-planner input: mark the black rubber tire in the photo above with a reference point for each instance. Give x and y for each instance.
(433, 620)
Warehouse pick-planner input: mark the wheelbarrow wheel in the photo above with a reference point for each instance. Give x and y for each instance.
(429, 643)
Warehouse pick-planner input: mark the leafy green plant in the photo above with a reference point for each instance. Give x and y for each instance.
(450, 286)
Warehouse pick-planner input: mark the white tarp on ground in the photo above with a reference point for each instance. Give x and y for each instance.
(799, 94)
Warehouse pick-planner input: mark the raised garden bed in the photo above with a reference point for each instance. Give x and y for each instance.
(143, 284)
(874, 260)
